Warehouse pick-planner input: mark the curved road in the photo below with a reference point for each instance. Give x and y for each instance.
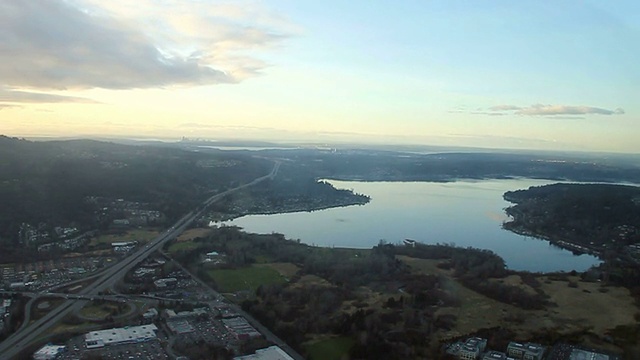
(12, 346)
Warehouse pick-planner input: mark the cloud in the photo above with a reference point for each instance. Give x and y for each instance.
(17, 96)
(504, 108)
(556, 111)
(120, 44)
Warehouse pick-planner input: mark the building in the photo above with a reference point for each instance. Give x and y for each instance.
(172, 315)
(241, 328)
(117, 336)
(270, 353)
(49, 352)
(180, 327)
(410, 242)
(526, 351)
(562, 351)
(495, 355)
(472, 348)
(468, 350)
(150, 314)
(165, 283)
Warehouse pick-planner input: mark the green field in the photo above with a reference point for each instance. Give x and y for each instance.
(139, 235)
(248, 278)
(330, 349)
(182, 246)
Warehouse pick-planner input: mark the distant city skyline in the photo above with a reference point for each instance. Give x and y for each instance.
(549, 75)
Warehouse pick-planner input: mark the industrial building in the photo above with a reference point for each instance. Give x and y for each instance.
(116, 336)
(241, 328)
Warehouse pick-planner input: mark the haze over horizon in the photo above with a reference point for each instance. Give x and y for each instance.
(542, 75)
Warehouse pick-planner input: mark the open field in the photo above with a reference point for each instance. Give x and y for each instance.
(62, 328)
(182, 246)
(310, 280)
(191, 234)
(588, 306)
(288, 270)
(475, 312)
(139, 235)
(329, 349)
(578, 308)
(248, 278)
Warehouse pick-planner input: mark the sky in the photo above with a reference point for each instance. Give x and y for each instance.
(553, 75)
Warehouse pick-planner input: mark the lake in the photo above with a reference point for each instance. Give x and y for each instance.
(464, 213)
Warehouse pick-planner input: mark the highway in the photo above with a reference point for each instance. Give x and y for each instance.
(12, 346)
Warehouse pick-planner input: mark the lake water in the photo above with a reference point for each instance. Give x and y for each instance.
(464, 213)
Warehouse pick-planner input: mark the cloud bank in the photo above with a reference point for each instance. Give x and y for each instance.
(57, 45)
(550, 110)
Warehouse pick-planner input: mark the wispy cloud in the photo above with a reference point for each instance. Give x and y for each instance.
(504, 108)
(540, 109)
(17, 96)
(555, 111)
(81, 44)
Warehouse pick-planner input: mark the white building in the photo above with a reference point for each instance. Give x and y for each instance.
(116, 336)
(48, 352)
(270, 353)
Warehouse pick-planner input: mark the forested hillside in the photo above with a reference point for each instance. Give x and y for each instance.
(49, 184)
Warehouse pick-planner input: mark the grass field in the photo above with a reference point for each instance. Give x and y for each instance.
(248, 278)
(181, 246)
(330, 349)
(139, 235)
(288, 270)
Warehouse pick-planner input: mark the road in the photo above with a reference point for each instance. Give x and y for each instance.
(27, 334)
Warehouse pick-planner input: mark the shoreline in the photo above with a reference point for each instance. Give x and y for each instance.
(563, 244)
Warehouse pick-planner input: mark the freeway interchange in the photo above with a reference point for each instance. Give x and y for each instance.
(29, 333)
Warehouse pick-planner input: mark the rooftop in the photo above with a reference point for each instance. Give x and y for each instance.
(270, 353)
(120, 335)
